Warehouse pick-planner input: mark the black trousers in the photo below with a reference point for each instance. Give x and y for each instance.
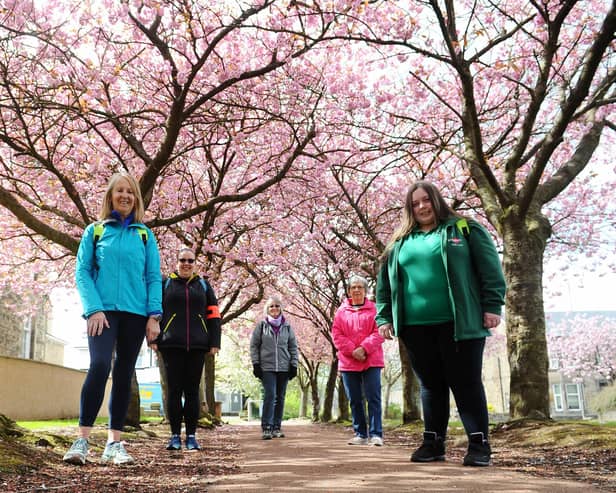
(441, 364)
(184, 370)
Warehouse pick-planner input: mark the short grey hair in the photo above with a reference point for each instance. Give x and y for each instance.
(355, 278)
(272, 299)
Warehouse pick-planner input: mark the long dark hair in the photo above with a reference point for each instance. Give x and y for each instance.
(441, 209)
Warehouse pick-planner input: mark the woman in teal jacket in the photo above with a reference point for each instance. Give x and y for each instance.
(441, 288)
(119, 282)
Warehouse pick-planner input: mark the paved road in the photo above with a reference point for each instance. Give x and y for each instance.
(317, 458)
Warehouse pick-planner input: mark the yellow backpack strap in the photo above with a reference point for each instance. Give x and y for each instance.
(463, 227)
(143, 233)
(99, 228)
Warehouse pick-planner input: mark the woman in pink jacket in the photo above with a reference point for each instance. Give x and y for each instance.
(360, 358)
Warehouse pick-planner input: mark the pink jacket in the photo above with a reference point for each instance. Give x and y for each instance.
(354, 327)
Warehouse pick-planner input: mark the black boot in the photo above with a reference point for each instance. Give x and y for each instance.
(432, 449)
(479, 451)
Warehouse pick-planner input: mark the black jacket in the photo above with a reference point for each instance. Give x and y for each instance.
(191, 319)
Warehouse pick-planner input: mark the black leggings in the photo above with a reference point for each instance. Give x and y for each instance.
(184, 370)
(440, 364)
(124, 338)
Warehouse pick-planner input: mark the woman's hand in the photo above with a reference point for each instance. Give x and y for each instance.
(386, 331)
(214, 351)
(96, 323)
(491, 320)
(152, 329)
(359, 353)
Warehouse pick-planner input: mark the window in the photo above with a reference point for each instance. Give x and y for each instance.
(26, 338)
(558, 397)
(554, 364)
(573, 396)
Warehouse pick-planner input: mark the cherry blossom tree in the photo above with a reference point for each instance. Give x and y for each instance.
(585, 346)
(226, 110)
(505, 106)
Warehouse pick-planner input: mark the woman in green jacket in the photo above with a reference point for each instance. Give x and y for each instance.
(441, 288)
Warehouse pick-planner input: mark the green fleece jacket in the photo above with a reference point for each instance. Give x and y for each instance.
(474, 277)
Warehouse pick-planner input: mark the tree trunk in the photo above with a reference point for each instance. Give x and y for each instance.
(303, 402)
(316, 402)
(524, 243)
(330, 387)
(163, 382)
(343, 402)
(410, 388)
(388, 387)
(209, 377)
(133, 416)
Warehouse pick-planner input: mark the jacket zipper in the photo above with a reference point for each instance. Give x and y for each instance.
(187, 318)
(166, 327)
(203, 325)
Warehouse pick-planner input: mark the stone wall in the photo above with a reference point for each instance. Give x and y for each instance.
(31, 390)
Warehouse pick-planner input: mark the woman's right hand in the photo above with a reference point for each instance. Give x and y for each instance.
(386, 331)
(96, 323)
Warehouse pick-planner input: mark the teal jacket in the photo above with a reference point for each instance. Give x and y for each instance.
(120, 272)
(474, 276)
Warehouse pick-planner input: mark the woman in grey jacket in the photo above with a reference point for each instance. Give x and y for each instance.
(273, 350)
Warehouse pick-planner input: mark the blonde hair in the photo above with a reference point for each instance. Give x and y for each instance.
(441, 209)
(272, 299)
(107, 206)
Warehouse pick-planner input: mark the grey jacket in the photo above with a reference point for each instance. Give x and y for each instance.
(273, 352)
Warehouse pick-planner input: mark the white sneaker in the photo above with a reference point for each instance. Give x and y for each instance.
(116, 453)
(375, 441)
(77, 453)
(357, 440)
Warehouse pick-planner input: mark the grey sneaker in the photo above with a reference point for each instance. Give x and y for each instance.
(77, 453)
(358, 440)
(375, 441)
(116, 453)
(277, 434)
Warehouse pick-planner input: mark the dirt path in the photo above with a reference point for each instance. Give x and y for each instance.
(316, 457)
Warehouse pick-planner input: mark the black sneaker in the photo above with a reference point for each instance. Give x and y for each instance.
(277, 434)
(432, 449)
(479, 451)
(267, 434)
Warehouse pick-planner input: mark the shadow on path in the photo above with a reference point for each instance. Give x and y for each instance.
(315, 457)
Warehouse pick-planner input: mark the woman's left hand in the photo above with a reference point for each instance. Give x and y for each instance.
(214, 351)
(491, 320)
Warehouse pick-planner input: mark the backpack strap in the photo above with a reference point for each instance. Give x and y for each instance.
(99, 228)
(143, 233)
(463, 227)
(201, 281)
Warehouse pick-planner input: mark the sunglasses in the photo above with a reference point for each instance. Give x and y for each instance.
(184, 260)
(274, 306)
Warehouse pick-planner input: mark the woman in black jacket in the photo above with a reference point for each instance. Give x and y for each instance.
(190, 328)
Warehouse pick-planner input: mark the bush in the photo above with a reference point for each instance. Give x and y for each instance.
(605, 401)
(394, 411)
(291, 403)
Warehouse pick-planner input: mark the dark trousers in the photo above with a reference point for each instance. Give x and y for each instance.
(274, 392)
(440, 364)
(184, 369)
(125, 334)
